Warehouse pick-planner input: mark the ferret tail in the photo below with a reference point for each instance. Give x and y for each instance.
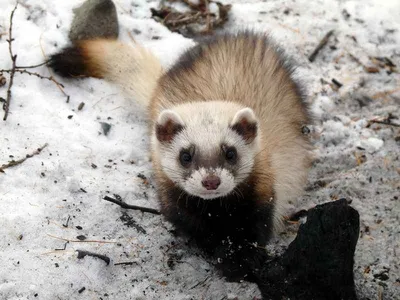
(134, 69)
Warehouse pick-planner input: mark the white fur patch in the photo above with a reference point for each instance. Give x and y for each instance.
(245, 113)
(207, 126)
(169, 115)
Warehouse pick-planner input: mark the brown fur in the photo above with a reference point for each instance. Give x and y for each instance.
(245, 69)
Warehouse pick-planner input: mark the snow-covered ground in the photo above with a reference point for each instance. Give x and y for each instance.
(81, 164)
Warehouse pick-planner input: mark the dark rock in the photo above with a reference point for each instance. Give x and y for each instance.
(81, 237)
(106, 128)
(3, 80)
(381, 273)
(94, 19)
(318, 264)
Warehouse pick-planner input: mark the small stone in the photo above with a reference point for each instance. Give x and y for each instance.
(106, 128)
(3, 80)
(94, 19)
(81, 237)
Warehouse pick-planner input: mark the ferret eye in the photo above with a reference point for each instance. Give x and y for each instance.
(231, 154)
(185, 158)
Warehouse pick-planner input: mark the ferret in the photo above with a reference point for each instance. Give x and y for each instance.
(225, 123)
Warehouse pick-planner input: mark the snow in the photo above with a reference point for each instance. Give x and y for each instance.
(81, 165)
(371, 144)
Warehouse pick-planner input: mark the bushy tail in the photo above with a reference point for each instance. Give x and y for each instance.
(134, 69)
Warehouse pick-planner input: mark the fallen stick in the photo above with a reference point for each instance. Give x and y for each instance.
(6, 105)
(32, 66)
(337, 83)
(384, 123)
(20, 161)
(66, 224)
(134, 207)
(62, 249)
(79, 241)
(83, 253)
(321, 45)
(21, 71)
(126, 263)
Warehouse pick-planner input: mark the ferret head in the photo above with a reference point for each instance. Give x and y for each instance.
(207, 148)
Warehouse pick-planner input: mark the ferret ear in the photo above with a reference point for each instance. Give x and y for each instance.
(169, 123)
(245, 124)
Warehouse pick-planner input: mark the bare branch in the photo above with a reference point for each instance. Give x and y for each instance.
(20, 161)
(79, 241)
(33, 66)
(51, 78)
(384, 123)
(6, 105)
(321, 45)
(128, 206)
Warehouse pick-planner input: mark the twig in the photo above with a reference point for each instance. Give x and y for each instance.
(127, 263)
(20, 161)
(51, 78)
(10, 38)
(79, 241)
(321, 45)
(337, 83)
(62, 249)
(33, 66)
(135, 207)
(6, 105)
(83, 253)
(66, 224)
(384, 123)
(21, 69)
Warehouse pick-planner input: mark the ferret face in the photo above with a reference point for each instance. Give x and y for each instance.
(207, 148)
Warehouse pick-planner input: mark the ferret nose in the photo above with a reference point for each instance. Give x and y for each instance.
(211, 182)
